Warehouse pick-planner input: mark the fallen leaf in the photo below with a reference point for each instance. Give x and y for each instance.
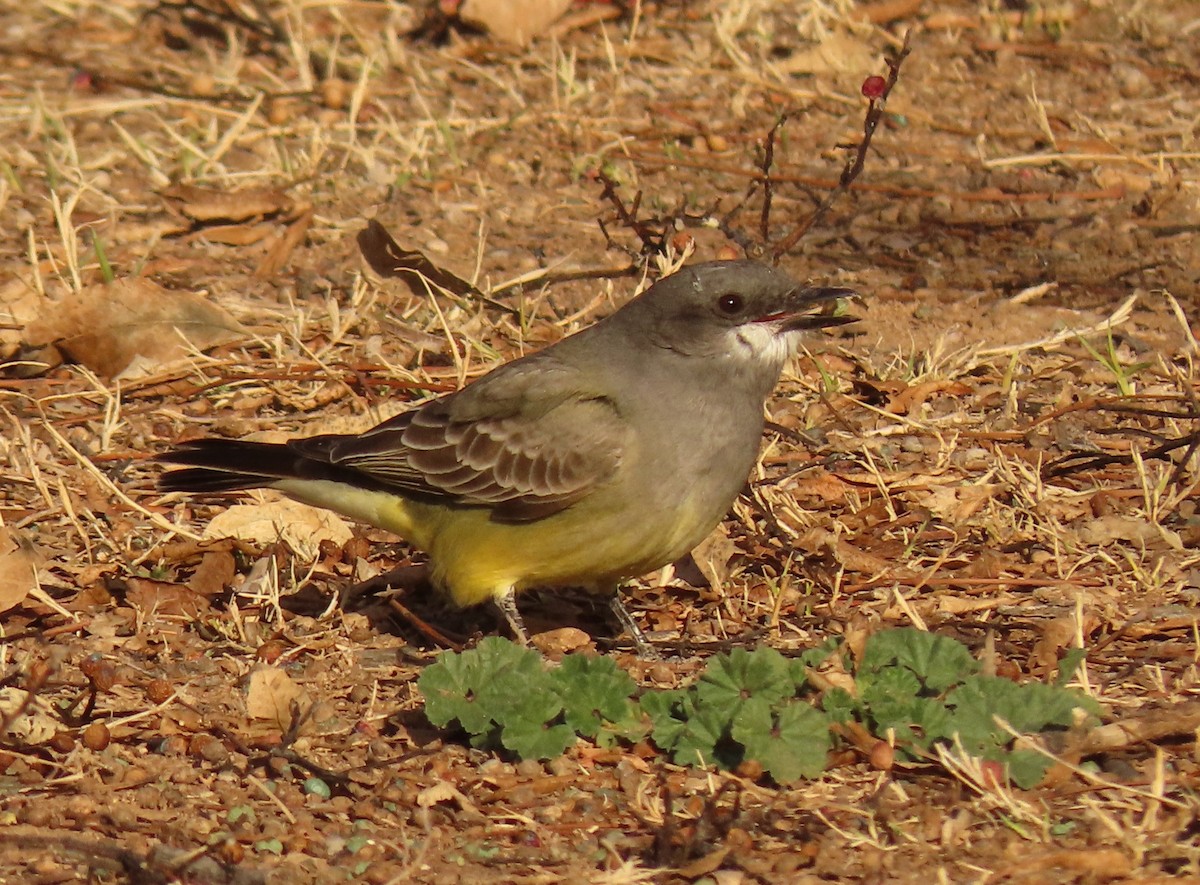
(956, 504)
(107, 327)
(712, 557)
(818, 484)
(853, 558)
(556, 643)
(214, 574)
(235, 234)
(881, 12)
(1106, 530)
(385, 256)
(205, 204)
(837, 53)
(272, 695)
(164, 599)
(915, 395)
(27, 717)
(19, 561)
(20, 305)
(283, 245)
(704, 865)
(442, 791)
(513, 21)
(301, 527)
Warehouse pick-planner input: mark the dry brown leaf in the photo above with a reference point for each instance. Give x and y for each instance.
(442, 791)
(853, 558)
(914, 395)
(837, 53)
(282, 247)
(881, 12)
(20, 305)
(301, 527)
(818, 484)
(513, 21)
(27, 716)
(704, 865)
(165, 599)
(1105, 530)
(956, 504)
(214, 574)
(272, 695)
(107, 327)
(712, 556)
(19, 561)
(235, 234)
(204, 204)
(388, 259)
(556, 643)
(1056, 634)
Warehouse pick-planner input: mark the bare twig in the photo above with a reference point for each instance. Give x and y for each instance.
(764, 225)
(854, 165)
(651, 232)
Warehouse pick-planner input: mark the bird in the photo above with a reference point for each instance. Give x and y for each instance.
(598, 459)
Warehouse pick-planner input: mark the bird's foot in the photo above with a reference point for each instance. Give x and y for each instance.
(506, 603)
(644, 649)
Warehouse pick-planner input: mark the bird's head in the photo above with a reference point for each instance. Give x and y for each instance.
(741, 310)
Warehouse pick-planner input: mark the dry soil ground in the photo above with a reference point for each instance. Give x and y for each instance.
(1002, 451)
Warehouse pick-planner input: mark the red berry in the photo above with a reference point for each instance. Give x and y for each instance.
(874, 87)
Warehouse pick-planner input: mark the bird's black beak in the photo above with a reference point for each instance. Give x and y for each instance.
(814, 309)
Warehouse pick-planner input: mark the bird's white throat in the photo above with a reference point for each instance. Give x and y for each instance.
(761, 343)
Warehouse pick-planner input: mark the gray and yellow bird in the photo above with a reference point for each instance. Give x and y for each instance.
(600, 458)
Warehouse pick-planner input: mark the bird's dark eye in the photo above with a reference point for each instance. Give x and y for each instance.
(730, 304)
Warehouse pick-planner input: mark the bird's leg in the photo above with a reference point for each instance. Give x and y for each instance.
(506, 602)
(644, 649)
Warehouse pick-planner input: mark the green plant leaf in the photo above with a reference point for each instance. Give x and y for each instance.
(703, 740)
(593, 691)
(495, 683)
(892, 687)
(449, 688)
(729, 679)
(1026, 768)
(531, 739)
(630, 729)
(1029, 709)
(666, 712)
(840, 705)
(1069, 664)
(918, 723)
(520, 690)
(938, 661)
(790, 741)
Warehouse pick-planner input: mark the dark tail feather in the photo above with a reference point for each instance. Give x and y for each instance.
(227, 465)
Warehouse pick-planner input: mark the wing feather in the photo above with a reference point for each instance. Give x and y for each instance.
(528, 440)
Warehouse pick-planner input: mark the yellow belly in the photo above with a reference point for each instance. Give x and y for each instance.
(474, 558)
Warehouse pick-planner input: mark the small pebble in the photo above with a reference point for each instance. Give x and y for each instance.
(314, 786)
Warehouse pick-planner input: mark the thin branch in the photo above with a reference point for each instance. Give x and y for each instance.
(764, 224)
(854, 165)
